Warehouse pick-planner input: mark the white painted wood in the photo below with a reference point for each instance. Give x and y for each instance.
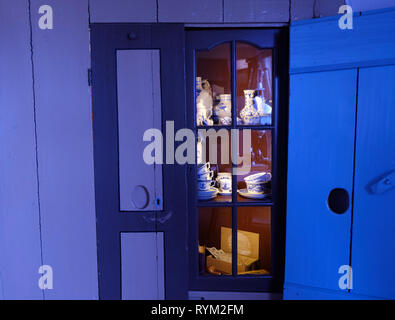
(330, 7)
(139, 109)
(256, 10)
(65, 151)
(20, 252)
(142, 266)
(309, 9)
(303, 9)
(223, 295)
(364, 5)
(190, 11)
(123, 10)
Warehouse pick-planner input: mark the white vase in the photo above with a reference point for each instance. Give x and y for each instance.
(251, 113)
(224, 107)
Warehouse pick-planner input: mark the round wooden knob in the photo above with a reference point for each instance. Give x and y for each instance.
(140, 197)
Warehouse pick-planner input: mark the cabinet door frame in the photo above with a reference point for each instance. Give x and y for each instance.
(106, 39)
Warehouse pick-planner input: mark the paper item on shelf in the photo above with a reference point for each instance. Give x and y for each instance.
(220, 254)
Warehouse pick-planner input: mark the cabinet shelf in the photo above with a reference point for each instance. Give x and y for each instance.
(251, 203)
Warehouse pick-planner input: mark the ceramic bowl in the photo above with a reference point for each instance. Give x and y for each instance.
(256, 187)
(258, 182)
(259, 177)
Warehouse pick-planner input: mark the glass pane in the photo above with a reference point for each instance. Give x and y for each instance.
(255, 172)
(254, 85)
(213, 86)
(214, 180)
(253, 240)
(215, 241)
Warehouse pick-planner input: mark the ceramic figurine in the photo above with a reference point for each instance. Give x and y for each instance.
(199, 87)
(204, 102)
(265, 109)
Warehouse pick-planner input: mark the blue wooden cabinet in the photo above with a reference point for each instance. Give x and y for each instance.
(341, 136)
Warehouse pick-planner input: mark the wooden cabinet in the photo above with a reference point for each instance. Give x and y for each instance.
(138, 85)
(225, 67)
(341, 136)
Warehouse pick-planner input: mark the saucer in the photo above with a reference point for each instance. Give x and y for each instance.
(210, 191)
(225, 193)
(244, 193)
(207, 194)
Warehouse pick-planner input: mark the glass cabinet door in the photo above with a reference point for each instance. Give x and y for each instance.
(235, 217)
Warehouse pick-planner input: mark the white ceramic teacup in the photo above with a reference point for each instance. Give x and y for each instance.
(206, 175)
(203, 168)
(259, 177)
(256, 183)
(224, 180)
(205, 184)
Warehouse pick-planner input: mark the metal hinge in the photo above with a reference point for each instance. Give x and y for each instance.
(90, 77)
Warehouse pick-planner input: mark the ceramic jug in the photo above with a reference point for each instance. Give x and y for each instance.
(223, 110)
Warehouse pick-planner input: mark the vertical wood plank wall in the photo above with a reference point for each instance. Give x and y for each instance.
(65, 149)
(142, 266)
(20, 253)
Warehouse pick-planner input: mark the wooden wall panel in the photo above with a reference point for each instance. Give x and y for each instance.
(320, 158)
(213, 11)
(139, 109)
(20, 253)
(309, 9)
(303, 9)
(363, 5)
(190, 11)
(256, 10)
(123, 10)
(65, 156)
(373, 243)
(142, 266)
(295, 292)
(322, 45)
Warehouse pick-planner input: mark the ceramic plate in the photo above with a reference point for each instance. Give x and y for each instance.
(209, 192)
(244, 193)
(206, 197)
